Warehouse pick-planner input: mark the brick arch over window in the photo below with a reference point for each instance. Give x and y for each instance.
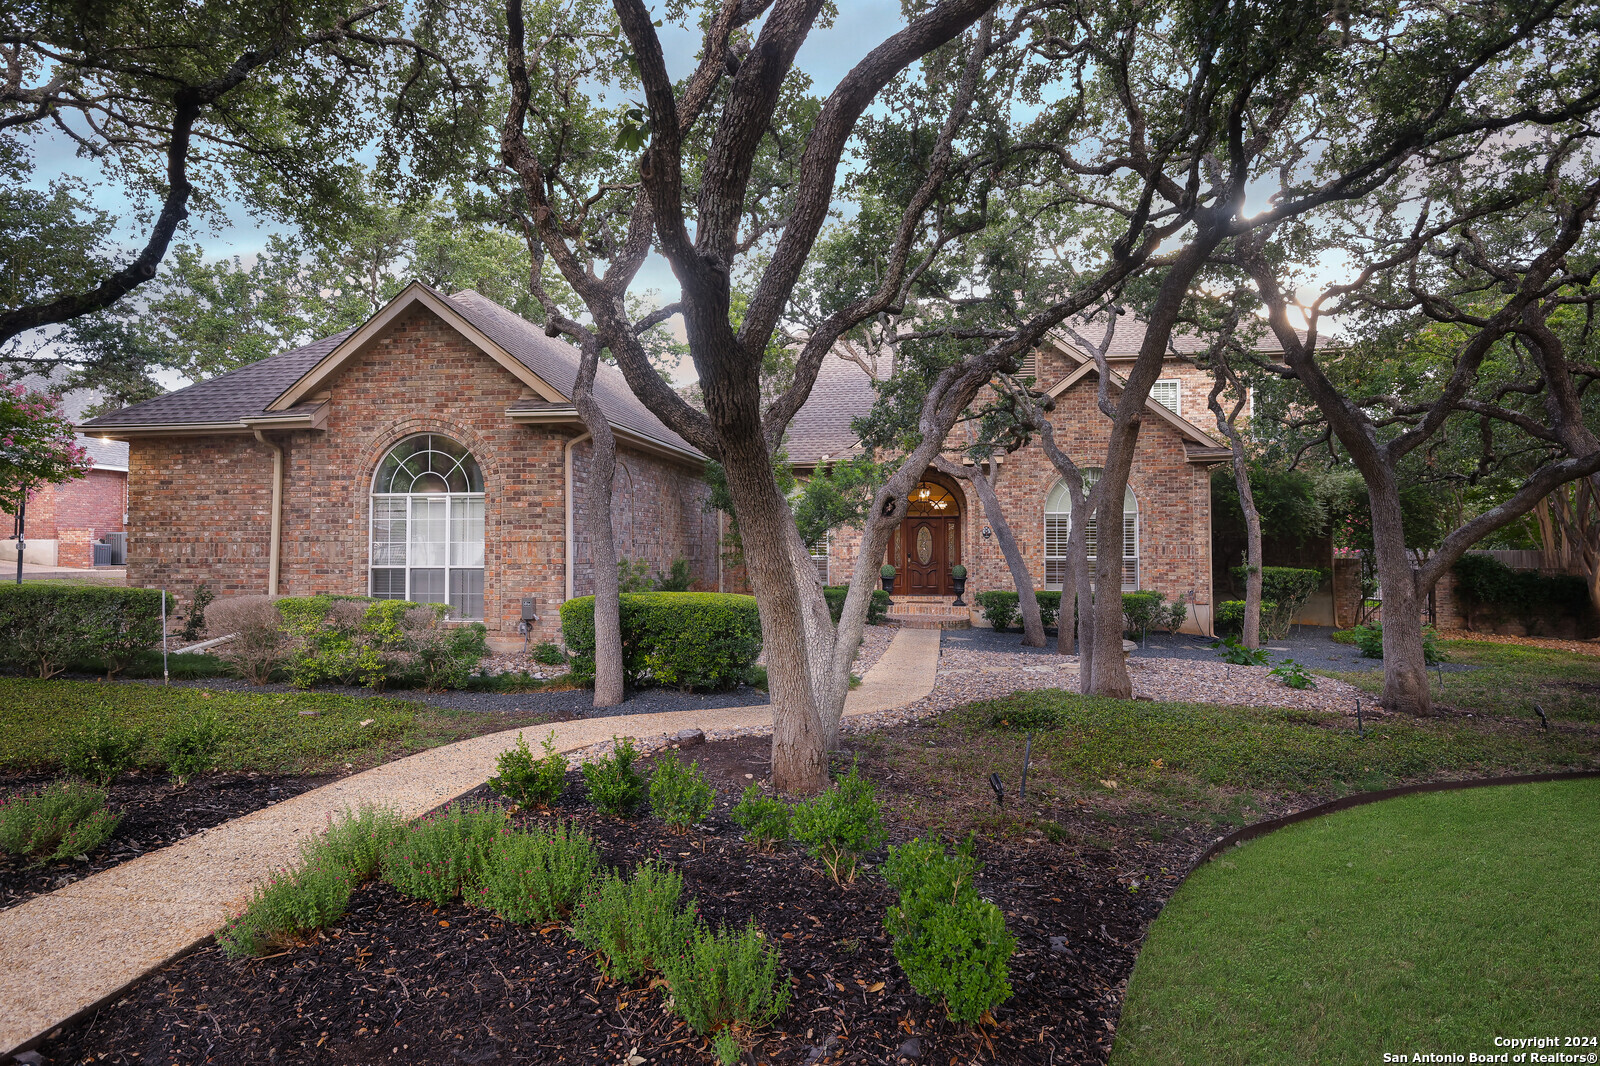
(1058, 526)
(426, 525)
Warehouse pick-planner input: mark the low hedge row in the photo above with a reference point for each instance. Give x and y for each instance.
(47, 626)
(1141, 611)
(691, 640)
(877, 610)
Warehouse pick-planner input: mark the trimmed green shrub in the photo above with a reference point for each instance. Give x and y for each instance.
(190, 746)
(47, 626)
(952, 944)
(877, 607)
(538, 876)
(680, 795)
(1369, 639)
(1230, 617)
(633, 925)
(315, 893)
(444, 855)
(101, 750)
(1288, 589)
(691, 640)
(840, 826)
(291, 904)
(615, 787)
(765, 819)
(60, 821)
(527, 781)
(727, 978)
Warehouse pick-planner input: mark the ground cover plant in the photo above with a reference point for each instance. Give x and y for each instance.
(60, 821)
(264, 732)
(1453, 957)
(1508, 679)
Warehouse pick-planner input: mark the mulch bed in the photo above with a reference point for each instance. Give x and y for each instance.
(400, 981)
(155, 812)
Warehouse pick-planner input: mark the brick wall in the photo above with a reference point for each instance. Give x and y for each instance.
(199, 507)
(94, 502)
(1174, 498)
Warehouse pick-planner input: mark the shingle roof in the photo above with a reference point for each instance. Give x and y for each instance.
(556, 363)
(246, 392)
(226, 398)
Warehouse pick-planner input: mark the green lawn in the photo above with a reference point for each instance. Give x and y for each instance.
(1511, 678)
(1186, 761)
(1430, 923)
(267, 731)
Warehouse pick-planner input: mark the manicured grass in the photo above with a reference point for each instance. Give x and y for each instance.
(266, 731)
(1197, 759)
(1429, 923)
(1509, 680)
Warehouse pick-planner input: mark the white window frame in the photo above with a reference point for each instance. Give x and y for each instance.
(453, 503)
(1176, 386)
(1058, 524)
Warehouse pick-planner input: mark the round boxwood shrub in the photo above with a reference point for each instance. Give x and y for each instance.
(691, 640)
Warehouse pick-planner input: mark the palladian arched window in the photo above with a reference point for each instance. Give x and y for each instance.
(1058, 526)
(427, 525)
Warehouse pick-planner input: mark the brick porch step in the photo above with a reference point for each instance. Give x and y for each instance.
(928, 612)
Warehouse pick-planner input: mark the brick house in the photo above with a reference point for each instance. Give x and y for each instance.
(64, 521)
(433, 453)
(1166, 512)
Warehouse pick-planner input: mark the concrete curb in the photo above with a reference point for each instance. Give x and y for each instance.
(65, 954)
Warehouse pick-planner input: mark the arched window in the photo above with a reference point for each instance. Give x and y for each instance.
(427, 525)
(1058, 525)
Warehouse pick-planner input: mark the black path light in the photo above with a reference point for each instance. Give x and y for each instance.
(999, 789)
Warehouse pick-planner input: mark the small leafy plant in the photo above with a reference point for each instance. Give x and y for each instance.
(680, 795)
(290, 905)
(63, 820)
(539, 876)
(840, 826)
(764, 818)
(548, 653)
(1234, 652)
(951, 943)
(633, 925)
(727, 979)
(1293, 675)
(528, 781)
(191, 746)
(444, 855)
(102, 750)
(615, 787)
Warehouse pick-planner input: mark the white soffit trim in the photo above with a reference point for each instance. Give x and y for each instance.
(412, 294)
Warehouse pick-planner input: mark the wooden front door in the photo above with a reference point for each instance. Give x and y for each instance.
(927, 561)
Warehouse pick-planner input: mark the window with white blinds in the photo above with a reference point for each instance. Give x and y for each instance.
(1058, 527)
(1166, 393)
(426, 533)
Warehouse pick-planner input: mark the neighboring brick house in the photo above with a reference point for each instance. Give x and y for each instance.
(63, 521)
(1167, 510)
(431, 453)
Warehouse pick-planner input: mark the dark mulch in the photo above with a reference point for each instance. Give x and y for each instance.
(399, 981)
(155, 812)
